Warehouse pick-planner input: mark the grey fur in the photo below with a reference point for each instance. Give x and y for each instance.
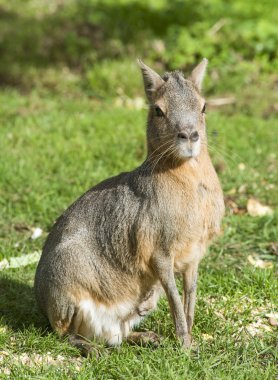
(126, 235)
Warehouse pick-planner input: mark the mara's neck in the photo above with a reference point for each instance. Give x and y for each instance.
(158, 162)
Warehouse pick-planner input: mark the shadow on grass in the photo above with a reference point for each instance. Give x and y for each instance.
(78, 33)
(18, 308)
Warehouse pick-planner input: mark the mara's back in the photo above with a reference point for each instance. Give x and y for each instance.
(100, 265)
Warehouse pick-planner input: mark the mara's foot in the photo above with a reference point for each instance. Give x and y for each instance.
(144, 338)
(186, 342)
(84, 345)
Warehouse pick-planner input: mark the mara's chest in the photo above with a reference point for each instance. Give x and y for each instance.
(210, 207)
(195, 209)
(195, 221)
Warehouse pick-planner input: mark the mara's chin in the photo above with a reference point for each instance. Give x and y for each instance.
(187, 151)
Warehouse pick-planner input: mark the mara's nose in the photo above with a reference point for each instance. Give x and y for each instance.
(194, 136)
(183, 136)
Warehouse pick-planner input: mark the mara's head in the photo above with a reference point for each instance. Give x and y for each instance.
(176, 122)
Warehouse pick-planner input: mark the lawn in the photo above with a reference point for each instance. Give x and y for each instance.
(73, 113)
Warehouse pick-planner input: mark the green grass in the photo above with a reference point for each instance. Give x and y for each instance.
(71, 115)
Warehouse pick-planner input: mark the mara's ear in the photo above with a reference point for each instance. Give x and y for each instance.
(198, 73)
(152, 80)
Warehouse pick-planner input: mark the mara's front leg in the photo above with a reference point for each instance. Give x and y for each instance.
(163, 268)
(190, 277)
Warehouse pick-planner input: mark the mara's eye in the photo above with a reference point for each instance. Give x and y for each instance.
(204, 108)
(158, 112)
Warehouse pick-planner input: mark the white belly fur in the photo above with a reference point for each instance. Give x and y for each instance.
(109, 323)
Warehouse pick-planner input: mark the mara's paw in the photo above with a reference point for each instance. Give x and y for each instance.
(144, 338)
(85, 346)
(186, 341)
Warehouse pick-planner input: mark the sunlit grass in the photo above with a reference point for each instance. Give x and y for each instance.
(64, 129)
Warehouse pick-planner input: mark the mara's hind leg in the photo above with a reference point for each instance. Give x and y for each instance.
(143, 338)
(67, 323)
(78, 336)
